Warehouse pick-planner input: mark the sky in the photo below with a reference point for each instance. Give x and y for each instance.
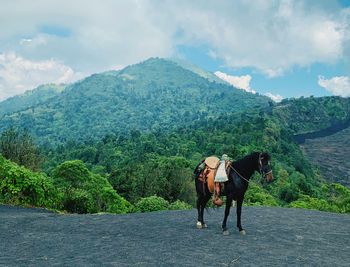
(279, 48)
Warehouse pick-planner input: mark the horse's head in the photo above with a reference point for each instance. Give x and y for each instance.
(265, 167)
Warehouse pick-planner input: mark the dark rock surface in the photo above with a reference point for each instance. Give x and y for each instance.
(275, 237)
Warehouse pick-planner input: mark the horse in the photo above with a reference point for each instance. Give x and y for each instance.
(239, 174)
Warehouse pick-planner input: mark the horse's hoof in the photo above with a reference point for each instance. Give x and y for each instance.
(225, 232)
(242, 232)
(201, 225)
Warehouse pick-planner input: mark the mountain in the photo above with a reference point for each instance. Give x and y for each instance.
(308, 115)
(205, 74)
(330, 154)
(322, 127)
(152, 95)
(30, 98)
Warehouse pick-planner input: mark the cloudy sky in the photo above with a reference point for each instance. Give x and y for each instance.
(279, 48)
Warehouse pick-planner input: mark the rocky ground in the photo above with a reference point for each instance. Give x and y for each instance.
(275, 237)
(330, 155)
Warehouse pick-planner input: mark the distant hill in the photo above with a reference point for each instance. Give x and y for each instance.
(30, 98)
(307, 115)
(322, 127)
(155, 94)
(205, 74)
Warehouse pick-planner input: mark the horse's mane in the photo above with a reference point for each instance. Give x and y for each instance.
(247, 163)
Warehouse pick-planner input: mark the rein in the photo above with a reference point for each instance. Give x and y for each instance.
(260, 167)
(248, 181)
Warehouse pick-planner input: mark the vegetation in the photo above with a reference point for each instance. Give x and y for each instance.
(113, 145)
(30, 98)
(19, 186)
(304, 115)
(85, 192)
(20, 148)
(154, 95)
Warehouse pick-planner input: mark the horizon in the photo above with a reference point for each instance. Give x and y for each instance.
(281, 49)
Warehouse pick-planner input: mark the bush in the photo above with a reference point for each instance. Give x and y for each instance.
(21, 186)
(180, 205)
(85, 192)
(257, 196)
(288, 193)
(152, 203)
(307, 202)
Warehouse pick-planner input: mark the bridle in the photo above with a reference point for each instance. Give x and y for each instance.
(263, 169)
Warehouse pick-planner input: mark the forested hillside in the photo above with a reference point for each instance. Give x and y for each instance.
(30, 98)
(128, 140)
(156, 94)
(305, 115)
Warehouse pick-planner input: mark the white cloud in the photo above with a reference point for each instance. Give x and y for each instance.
(18, 74)
(276, 98)
(339, 85)
(269, 36)
(240, 82)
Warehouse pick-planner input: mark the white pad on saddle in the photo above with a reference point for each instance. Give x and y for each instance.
(221, 175)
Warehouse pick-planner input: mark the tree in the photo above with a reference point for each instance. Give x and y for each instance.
(20, 148)
(85, 192)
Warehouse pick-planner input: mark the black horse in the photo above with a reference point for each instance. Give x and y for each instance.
(239, 174)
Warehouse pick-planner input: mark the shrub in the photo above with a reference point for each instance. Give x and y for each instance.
(21, 186)
(180, 205)
(259, 197)
(152, 203)
(307, 202)
(85, 192)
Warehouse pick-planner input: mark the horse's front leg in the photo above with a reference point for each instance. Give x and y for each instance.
(201, 203)
(239, 213)
(229, 199)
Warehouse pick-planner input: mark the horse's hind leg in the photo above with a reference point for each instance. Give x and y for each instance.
(200, 215)
(227, 213)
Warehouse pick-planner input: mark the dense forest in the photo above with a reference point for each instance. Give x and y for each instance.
(128, 141)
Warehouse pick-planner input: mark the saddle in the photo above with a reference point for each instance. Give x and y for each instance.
(207, 176)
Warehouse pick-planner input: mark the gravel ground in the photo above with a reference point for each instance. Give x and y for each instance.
(275, 237)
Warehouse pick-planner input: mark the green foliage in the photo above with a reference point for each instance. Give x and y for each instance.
(30, 98)
(85, 192)
(152, 203)
(257, 196)
(307, 202)
(142, 165)
(20, 148)
(179, 205)
(335, 198)
(21, 186)
(305, 115)
(141, 131)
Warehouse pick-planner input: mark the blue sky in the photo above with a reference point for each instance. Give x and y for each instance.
(281, 48)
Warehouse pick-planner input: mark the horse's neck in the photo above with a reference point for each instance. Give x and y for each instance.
(247, 166)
